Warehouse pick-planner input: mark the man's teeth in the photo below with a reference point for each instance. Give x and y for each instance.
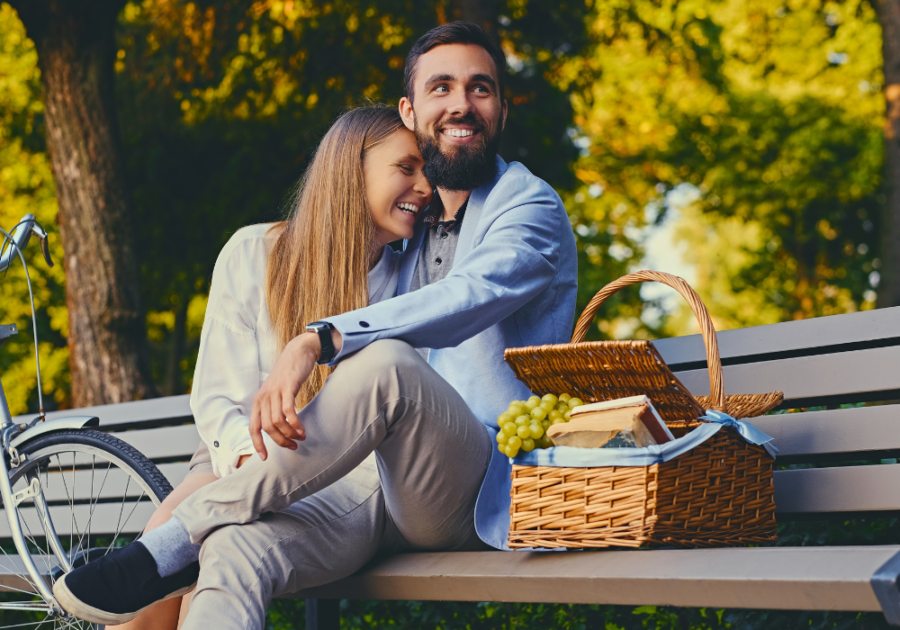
(408, 207)
(459, 133)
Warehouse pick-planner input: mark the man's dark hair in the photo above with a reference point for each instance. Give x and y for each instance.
(453, 33)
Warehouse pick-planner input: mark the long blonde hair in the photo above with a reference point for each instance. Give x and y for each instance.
(319, 263)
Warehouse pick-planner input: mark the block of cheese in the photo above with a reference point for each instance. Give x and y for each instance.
(626, 422)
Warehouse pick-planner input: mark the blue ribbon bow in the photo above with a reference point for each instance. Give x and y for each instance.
(745, 429)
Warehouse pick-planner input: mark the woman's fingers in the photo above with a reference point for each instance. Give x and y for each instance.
(278, 429)
(256, 429)
(290, 414)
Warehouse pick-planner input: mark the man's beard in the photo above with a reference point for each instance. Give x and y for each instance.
(469, 166)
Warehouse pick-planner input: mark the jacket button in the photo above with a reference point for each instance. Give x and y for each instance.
(438, 260)
(364, 324)
(216, 443)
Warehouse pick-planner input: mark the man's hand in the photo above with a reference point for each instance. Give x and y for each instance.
(273, 405)
(242, 459)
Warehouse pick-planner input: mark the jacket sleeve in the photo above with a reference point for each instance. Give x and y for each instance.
(227, 376)
(517, 258)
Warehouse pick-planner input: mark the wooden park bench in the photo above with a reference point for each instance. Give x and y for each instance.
(826, 362)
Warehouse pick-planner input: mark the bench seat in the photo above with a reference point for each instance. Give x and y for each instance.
(796, 578)
(842, 463)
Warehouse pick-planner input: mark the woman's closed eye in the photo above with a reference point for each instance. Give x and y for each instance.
(406, 168)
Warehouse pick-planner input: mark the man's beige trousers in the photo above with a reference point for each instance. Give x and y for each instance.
(393, 460)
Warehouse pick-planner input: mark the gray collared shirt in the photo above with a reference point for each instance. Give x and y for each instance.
(438, 248)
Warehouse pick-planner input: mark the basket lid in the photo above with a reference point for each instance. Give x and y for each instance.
(605, 370)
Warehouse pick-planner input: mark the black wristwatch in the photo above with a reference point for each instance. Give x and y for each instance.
(323, 329)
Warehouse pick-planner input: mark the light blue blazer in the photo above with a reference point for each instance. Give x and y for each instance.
(512, 284)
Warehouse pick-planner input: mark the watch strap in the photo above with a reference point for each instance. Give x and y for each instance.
(323, 329)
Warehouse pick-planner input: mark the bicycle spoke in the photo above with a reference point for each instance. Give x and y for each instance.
(119, 522)
(93, 505)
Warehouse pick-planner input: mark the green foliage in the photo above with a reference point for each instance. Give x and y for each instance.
(288, 614)
(772, 113)
(26, 186)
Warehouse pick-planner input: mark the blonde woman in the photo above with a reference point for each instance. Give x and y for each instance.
(363, 190)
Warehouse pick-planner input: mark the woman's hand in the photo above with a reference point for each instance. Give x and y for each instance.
(273, 405)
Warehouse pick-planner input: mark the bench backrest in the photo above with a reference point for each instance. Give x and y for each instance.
(823, 363)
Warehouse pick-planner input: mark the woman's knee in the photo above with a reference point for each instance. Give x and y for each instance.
(185, 489)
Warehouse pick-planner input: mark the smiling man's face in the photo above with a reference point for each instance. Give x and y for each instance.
(457, 114)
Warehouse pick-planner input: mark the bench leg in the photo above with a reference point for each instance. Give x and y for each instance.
(323, 614)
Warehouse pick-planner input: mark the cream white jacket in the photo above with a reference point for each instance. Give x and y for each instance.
(238, 346)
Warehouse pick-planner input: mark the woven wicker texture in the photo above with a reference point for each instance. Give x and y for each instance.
(718, 494)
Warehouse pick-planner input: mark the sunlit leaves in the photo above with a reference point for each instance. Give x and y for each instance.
(26, 186)
(772, 111)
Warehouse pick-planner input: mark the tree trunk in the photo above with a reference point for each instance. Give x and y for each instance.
(889, 286)
(108, 352)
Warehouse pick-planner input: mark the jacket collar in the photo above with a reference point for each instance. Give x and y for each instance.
(466, 235)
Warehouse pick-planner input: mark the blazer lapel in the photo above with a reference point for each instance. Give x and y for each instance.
(473, 213)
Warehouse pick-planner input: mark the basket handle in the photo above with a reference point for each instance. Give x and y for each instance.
(716, 383)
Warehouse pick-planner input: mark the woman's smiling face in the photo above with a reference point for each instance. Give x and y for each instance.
(396, 189)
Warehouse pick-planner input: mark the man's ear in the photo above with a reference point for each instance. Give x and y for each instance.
(503, 118)
(407, 114)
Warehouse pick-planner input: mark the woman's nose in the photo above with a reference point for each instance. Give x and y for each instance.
(422, 186)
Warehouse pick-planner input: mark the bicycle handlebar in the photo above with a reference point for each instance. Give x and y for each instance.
(27, 226)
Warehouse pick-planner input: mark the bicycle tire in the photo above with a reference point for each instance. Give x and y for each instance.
(91, 481)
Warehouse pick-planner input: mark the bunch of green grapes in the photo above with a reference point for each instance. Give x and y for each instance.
(524, 425)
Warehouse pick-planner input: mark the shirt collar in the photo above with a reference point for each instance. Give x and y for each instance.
(434, 212)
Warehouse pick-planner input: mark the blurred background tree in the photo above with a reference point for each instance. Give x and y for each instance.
(75, 44)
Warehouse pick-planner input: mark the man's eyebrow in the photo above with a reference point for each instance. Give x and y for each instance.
(479, 78)
(438, 78)
(485, 78)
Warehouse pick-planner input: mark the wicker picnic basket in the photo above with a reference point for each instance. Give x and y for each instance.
(717, 494)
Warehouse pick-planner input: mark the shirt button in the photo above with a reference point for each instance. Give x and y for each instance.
(438, 261)
(216, 443)
(364, 324)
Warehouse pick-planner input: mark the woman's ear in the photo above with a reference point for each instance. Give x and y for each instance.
(407, 114)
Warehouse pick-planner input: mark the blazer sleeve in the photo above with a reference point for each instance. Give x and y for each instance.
(515, 260)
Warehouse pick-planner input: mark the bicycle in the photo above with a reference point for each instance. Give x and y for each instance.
(68, 491)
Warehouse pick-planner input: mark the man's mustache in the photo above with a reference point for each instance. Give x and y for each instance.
(467, 119)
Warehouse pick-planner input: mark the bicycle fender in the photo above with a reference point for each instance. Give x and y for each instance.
(56, 424)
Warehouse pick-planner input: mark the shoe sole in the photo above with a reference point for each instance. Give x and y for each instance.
(74, 606)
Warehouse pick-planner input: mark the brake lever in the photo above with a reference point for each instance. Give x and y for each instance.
(38, 231)
(45, 250)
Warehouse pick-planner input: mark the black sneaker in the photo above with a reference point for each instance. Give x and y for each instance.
(119, 586)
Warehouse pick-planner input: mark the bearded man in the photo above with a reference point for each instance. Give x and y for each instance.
(397, 451)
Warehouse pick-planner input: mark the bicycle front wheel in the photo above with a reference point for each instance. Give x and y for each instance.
(99, 492)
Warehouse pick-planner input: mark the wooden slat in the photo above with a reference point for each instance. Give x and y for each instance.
(86, 485)
(881, 326)
(172, 408)
(829, 375)
(175, 473)
(794, 578)
(853, 431)
(164, 442)
(841, 489)
(106, 519)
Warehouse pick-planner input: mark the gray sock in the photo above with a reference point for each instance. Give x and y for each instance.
(171, 547)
